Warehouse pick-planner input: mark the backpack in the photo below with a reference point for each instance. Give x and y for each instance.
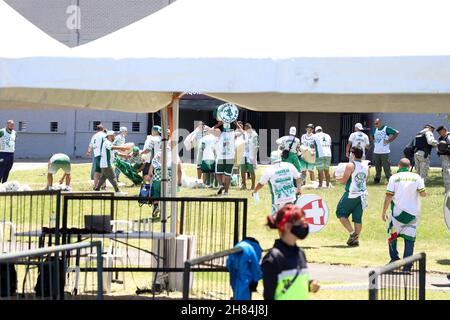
(409, 150)
(47, 283)
(145, 193)
(8, 279)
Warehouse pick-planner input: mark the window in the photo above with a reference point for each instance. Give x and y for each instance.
(136, 127)
(22, 126)
(116, 126)
(95, 124)
(53, 126)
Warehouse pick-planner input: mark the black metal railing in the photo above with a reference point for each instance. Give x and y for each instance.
(23, 212)
(207, 277)
(48, 273)
(400, 280)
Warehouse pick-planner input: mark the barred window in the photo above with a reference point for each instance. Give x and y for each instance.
(22, 126)
(136, 127)
(116, 126)
(95, 124)
(54, 126)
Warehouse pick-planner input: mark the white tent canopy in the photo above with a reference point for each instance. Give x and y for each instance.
(284, 55)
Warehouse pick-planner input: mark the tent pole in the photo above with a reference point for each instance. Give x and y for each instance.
(164, 126)
(174, 164)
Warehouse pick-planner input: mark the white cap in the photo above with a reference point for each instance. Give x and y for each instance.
(359, 126)
(292, 131)
(318, 128)
(275, 156)
(109, 133)
(123, 129)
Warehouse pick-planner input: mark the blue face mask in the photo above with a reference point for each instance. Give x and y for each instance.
(300, 231)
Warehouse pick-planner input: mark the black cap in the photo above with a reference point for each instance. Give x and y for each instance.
(310, 125)
(440, 128)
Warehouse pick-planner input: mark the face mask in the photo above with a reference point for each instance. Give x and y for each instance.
(300, 231)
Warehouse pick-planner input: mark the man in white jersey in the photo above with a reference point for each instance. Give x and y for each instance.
(7, 147)
(307, 140)
(56, 162)
(280, 176)
(151, 146)
(120, 140)
(354, 199)
(208, 164)
(382, 137)
(248, 162)
(322, 143)
(291, 145)
(358, 139)
(225, 150)
(403, 198)
(94, 150)
(107, 160)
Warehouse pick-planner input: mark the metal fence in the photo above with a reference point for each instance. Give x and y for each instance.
(207, 277)
(400, 280)
(23, 212)
(134, 238)
(48, 273)
(138, 240)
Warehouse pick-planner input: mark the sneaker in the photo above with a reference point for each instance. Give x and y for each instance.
(225, 194)
(354, 244)
(120, 193)
(353, 239)
(221, 189)
(376, 181)
(155, 212)
(243, 187)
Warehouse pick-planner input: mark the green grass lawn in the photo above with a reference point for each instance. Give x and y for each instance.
(327, 246)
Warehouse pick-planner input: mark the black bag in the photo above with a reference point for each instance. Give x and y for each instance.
(285, 153)
(410, 149)
(8, 279)
(47, 281)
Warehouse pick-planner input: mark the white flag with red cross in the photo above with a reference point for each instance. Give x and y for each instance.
(316, 211)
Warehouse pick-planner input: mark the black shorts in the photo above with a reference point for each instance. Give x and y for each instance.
(146, 168)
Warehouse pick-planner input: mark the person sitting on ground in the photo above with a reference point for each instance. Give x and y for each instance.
(354, 200)
(56, 162)
(134, 158)
(106, 161)
(284, 267)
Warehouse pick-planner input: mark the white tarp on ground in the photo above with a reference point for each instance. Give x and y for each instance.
(266, 55)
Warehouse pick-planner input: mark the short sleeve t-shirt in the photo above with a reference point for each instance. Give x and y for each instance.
(323, 144)
(359, 139)
(107, 157)
(308, 140)
(208, 143)
(225, 146)
(153, 144)
(380, 136)
(280, 178)
(405, 187)
(96, 142)
(285, 143)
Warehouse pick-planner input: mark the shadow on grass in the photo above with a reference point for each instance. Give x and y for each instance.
(339, 246)
(445, 262)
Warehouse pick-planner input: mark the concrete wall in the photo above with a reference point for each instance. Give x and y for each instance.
(75, 129)
(409, 124)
